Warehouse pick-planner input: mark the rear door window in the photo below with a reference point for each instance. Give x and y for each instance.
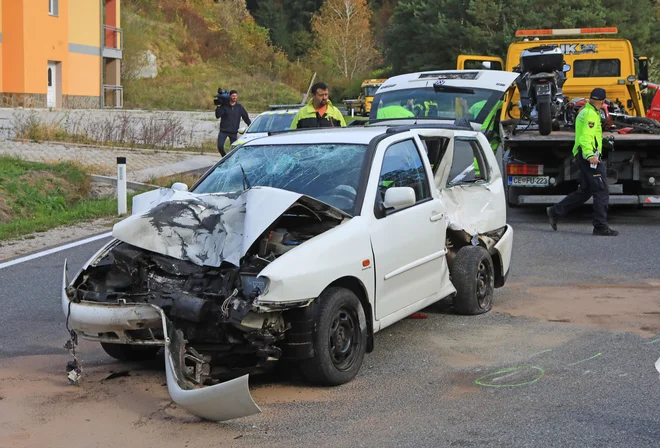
(468, 163)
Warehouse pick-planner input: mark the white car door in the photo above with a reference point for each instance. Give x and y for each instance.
(409, 243)
(470, 185)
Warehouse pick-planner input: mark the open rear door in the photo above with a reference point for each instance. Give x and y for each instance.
(470, 62)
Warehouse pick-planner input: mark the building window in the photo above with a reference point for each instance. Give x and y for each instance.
(53, 7)
(50, 77)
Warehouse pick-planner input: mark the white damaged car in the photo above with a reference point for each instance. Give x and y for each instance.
(299, 246)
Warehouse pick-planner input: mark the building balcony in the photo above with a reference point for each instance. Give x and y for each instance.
(112, 42)
(113, 97)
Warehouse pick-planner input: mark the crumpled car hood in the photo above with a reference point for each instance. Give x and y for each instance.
(207, 229)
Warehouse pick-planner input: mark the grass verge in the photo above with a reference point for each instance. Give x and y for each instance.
(35, 197)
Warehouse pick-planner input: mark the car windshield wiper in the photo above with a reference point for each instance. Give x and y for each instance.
(246, 181)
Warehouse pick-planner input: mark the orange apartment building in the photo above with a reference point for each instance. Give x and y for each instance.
(60, 53)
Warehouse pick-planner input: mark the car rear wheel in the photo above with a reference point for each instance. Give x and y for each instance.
(339, 339)
(126, 352)
(473, 277)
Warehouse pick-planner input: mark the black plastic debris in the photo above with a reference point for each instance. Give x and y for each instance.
(119, 374)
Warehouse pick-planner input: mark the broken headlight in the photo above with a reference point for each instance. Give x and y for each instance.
(252, 284)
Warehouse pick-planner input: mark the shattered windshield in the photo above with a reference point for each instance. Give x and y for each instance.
(271, 123)
(424, 102)
(328, 172)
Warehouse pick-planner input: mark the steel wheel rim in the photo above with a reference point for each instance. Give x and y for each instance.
(344, 341)
(484, 284)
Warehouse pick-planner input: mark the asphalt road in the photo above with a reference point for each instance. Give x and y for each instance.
(491, 380)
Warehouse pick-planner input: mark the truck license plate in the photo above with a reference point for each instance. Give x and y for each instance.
(529, 181)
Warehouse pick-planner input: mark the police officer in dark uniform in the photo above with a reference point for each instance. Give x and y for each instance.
(593, 175)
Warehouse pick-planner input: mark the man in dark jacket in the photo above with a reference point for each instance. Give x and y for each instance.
(230, 115)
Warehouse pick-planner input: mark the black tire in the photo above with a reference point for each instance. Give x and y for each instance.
(473, 277)
(644, 120)
(545, 115)
(126, 352)
(512, 194)
(339, 339)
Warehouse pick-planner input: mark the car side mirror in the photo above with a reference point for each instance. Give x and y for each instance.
(179, 186)
(399, 197)
(242, 130)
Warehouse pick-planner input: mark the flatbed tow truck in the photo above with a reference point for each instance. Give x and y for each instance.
(539, 169)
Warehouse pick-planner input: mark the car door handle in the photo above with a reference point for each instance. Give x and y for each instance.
(437, 217)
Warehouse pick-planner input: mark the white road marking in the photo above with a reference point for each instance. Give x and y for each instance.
(54, 250)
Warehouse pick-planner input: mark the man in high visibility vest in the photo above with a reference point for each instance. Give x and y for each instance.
(319, 112)
(490, 127)
(593, 174)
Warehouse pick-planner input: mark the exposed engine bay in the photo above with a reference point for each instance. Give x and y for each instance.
(213, 309)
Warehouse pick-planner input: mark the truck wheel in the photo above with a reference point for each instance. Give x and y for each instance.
(127, 352)
(339, 339)
(545, 116)
(512, 197)
(473, 277)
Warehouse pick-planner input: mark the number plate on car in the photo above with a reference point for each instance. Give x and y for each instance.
(529, 181)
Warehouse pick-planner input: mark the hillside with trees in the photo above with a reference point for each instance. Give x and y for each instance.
(269, 49)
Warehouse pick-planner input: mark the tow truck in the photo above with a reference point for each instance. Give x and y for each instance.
(539, 169)
(362, 105)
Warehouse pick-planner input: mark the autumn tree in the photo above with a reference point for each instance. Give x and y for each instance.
(343, 37)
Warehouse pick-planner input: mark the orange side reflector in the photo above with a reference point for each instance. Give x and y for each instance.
(366, 263)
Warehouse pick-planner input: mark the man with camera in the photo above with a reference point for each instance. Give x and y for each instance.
(230, 112)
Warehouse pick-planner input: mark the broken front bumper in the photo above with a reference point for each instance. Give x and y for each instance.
(98, 321)
(109, 322)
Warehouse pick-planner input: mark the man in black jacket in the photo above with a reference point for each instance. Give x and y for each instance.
(230, 115)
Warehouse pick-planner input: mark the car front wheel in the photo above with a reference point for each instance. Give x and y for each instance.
(126, 352)
(473, 277)
(339, 339)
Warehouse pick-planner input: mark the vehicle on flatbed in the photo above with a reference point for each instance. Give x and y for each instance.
(538, 169)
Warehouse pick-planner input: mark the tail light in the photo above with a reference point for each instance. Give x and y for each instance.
(524, 169)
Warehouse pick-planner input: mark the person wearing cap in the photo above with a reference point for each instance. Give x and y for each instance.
(230, 115)
(593, 176)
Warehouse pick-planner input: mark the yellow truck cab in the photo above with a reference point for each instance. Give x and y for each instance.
(362, 106)
(594, 62)
(539, 168)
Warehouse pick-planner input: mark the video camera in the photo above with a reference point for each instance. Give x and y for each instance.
(221, 98)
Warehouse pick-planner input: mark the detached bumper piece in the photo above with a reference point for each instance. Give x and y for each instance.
(225, 401)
